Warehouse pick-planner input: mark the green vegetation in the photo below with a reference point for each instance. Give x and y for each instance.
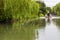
(19, 10)
(22, 10)
(48, 9)
(56, 9)
(42, 8)
(1, 10)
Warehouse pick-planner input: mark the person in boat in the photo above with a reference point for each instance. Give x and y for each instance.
(48, 17)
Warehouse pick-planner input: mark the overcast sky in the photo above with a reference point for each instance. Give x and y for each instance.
(51, 3)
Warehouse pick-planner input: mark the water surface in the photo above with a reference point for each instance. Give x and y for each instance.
(33, 30)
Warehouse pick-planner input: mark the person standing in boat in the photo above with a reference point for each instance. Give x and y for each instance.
(48, 17)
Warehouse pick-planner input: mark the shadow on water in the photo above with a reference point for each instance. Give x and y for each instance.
(16, 31)
(4, 29)
(36, 23)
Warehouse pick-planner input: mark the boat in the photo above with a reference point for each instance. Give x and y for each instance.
(48, 18)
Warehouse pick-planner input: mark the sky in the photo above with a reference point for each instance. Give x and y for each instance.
(51, 3)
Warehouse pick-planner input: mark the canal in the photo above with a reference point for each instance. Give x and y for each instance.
(33, 30)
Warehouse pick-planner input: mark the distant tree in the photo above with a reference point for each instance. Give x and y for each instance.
(56, 9)
(48, 8)
(42, 7)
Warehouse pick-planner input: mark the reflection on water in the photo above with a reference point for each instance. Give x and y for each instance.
(50, 32)
(57, 22)
(15, 31)
(33, 30)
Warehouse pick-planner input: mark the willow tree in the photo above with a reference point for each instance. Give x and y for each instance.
(20, 9)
